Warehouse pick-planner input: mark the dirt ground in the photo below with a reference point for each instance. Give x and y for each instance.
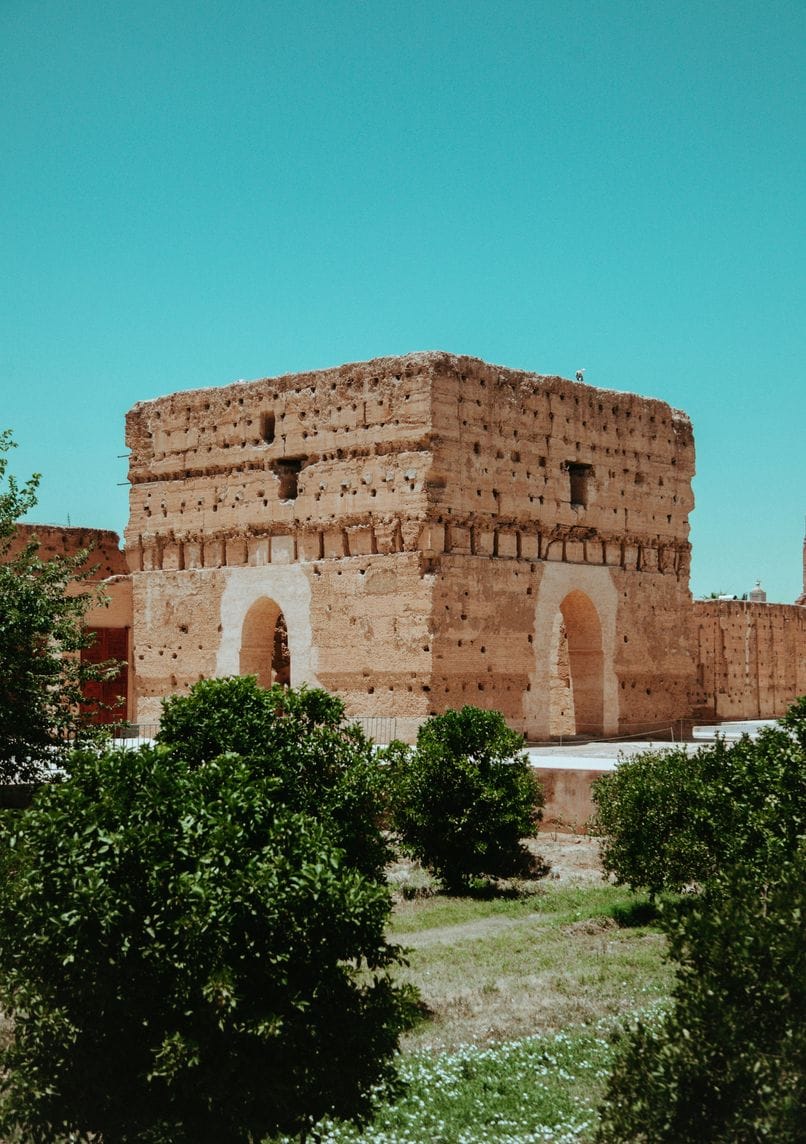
(572, 857)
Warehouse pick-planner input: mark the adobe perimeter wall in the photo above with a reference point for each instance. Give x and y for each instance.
(109, 573)
(106, 557)
(751, 658)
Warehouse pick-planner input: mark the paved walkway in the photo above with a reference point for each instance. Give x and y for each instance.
(605, 756)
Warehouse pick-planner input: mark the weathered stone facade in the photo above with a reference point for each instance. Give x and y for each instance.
(433, 529)
(422, 532)
(106, 559)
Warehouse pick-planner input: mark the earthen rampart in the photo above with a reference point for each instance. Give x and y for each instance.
(106, 558)
(109, 616)
(751, 658)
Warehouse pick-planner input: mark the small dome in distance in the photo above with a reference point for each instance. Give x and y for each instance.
(758, 595)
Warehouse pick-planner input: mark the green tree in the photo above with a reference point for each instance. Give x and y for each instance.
(669, 819)
(726, 1064)
(41, 637)
(185, 961)
(320, 765)
(465, 797)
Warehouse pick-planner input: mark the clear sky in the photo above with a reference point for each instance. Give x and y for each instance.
(193, 192)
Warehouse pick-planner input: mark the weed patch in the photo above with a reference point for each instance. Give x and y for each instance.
(496, 971)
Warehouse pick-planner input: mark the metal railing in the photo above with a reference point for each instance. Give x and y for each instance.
(651, 731)
(380, 728)
(133, 733)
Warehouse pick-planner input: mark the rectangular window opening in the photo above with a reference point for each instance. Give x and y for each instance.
(267, 427)
(287, 472)
(579, 476)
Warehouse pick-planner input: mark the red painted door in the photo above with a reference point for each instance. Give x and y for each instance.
(105, 701)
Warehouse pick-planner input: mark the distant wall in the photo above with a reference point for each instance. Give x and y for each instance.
(751, 658)
(109, 569)
(55, 540)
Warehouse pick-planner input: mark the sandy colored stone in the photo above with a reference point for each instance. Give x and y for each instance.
(424, 500)
(109, 577)
(428, 531)
(751, 658)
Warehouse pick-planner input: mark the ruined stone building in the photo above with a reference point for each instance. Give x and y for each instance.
(422, 532)
(110, 620)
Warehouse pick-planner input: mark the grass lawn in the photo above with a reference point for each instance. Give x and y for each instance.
(521, 994)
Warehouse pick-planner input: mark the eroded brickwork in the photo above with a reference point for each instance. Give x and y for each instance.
(421, 523)
(111, 613)
(105, 554)
(751, 658)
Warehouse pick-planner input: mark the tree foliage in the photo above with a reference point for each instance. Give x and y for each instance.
(186, 960)
(669, 819)
(726, 1065)
(465, 797)
(319, 765)
(41, 637)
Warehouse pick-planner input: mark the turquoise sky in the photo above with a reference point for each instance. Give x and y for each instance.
(194, 192)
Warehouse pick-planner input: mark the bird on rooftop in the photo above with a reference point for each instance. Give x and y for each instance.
(580, 375)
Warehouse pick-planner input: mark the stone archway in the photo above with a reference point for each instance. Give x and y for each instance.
(576, 690)
(264, 644)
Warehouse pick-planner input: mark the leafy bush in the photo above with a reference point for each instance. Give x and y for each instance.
(320, 766)
(726, 1065)
(668, 819)
(186, 962)
(464, 798)
(651, 817)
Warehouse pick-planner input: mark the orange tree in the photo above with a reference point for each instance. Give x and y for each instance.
(464, 798)
(185, 959)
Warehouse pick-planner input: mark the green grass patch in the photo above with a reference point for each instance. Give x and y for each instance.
(557, 904)
(521, 994)
(513, 967)
(540, 1088)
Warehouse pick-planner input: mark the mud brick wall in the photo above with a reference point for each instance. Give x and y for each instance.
(309, 490)
(109, 570)
(106, 557)
(751, 658)
(556, 503)
(434, 530)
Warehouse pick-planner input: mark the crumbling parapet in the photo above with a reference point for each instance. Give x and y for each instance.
(422, 500)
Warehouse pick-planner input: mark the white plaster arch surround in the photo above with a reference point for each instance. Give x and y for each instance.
(556, 582)
(288, 585)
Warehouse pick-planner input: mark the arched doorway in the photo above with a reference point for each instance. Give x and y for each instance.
(576, 686)
(264, 644)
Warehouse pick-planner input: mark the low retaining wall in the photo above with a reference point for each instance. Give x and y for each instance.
(568, 796)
